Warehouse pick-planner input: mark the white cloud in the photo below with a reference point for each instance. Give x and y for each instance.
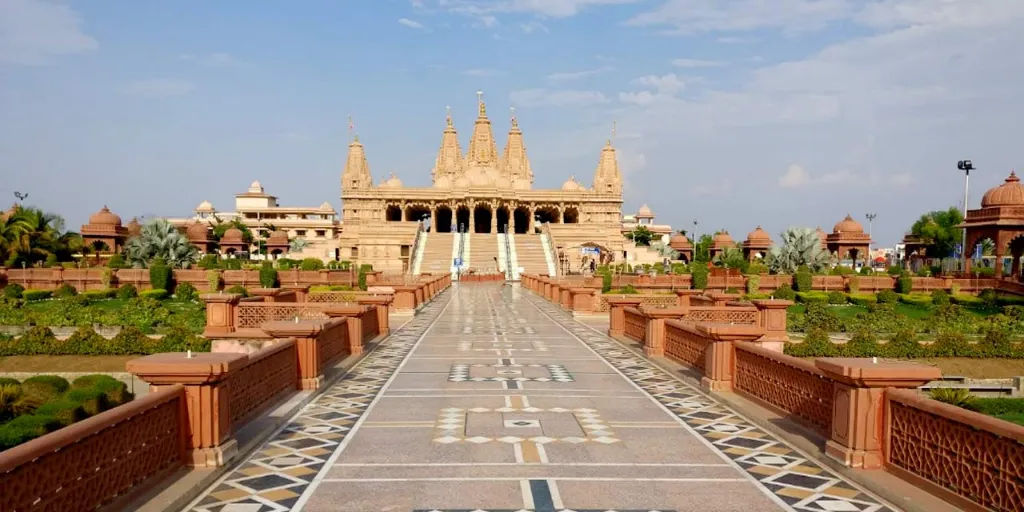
(533, 26)
(697, 63)
(794, 177)
(556, 98)
(696, 16)
(668, 84)
(411, 24)
(32, 32)
(546, 8)
(158, 88)
(578, 75)
(483, 72)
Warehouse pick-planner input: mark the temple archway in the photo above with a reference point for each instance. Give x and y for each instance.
(502, 214)
(547, 214)
(462, 218)
(482, 219)
(442, 223)
(415, 213)
(393, 213)
(521, 216)
(572, 215)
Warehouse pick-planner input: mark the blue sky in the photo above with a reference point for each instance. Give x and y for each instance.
(732, 112)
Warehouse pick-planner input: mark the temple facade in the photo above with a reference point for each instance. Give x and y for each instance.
(478, 192)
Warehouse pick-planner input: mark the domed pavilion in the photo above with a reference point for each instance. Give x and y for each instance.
(1000, 219)
(757, 244)
(848, 241)
(233, 241)
(277, 243)
(720, 242)
(198, 235)
(682, 245)
(104, 232)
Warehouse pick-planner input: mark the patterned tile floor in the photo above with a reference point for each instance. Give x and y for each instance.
(493, 399)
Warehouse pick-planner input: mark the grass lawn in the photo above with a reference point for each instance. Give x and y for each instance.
(60, 364)
(849, 311)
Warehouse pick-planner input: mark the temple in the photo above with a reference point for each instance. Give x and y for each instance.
(481, 212)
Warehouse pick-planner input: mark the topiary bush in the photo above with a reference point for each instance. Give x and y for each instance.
(239, 289)
(268, 275)
(34, 295)
(116, 261)
(92, 400)
(837, 298)
(85, 341)
(363, 269)
(213, 281)
(185, 291)
(155, 294)
(904, 283)
(131, 340)
(753, 283)
(37, 340)
(115, 390)
(950, 343)
(784, 292)
(160, 275)
(98, 294)
(887, 297)
(64, 410)
(311, 264)
(916, 299)
(127, 291)
(13, 291)
(699, 273)
(863, 299)
(803, 281)
(606, 282)
(940, 297)
(818, 316)
(996, 342)
(903, 344)
(24, 428)
(815, 344)
(863, 343)
(989, 297)
(853, 284)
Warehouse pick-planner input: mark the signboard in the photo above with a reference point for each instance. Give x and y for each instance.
(590, 250)
(458, 262)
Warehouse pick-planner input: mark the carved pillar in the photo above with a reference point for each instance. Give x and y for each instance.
(771, 316)
(858, 401)
(494, 218)
(530, 220)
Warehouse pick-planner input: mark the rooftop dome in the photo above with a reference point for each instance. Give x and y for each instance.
(104, 217)
(391, 182)
(571, 185)
(278, 237)
(758, 236)
(443, 181)
(679, 242)
(1010, 193)
(722, 239)
(644, 211)
(197, 231)
(848, 225)
(326, 206)
(256, 187)
(133, 227)
(205, 206)
(232, 235)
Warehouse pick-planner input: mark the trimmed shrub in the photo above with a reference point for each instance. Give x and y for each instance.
(25, 428)
(863, 343)
(815, 344)
(127, 291)
(904, 284)
(863, 299)
(33, 295)
(268, 275)
(866, 271)
(85, 341)
(606, 282)
(363, 269)
(155, 294)
(803, 281)
(699, 271)
(116, 261)
(115, 390)
(989, 297)
(940, 297)
(131, 340)
(837, 298)
(98, 294)
(628, 290)
(213, 280)
(812, 297)
(753, 283)
(916, 299)
(818, 316)
(180, 340)
(903, 344)
(37, 340)
(160, 275)
(310, 264)
(887, 297)
(967, 300)
(93, 400)
(996, 342)
(185, 291)
(64, 410)
(239, 289)
(894, 270)
(853, 284)
(784, 292)
(13, 291)
(949, 343)
(64, 291)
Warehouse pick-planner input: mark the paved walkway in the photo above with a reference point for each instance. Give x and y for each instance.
(492, 399)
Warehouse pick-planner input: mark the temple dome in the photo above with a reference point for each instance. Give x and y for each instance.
(256, 187)
(1010, 193)
(848, 225)
(758, 236)
(571, 185)
(197, 231)
(205, 206)
(443, 181)
(326, 206)
(232, 235)
(392, 182)
(722, 238)
(462, 181)
(278, 237)
(105, 217)
(645, 212)
(679, 242)
(133, 227)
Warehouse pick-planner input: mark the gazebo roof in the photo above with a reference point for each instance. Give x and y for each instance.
(758, 238)
(722, 240)
(1009, 193)
(679, 242)
(848, 231)
(104, 223)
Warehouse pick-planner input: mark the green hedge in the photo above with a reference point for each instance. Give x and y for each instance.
(916, 299)
(13, 291)
(904, 344)
(699, 276)
(812, 297)
(160, 275)
(99, 294)
(268, 275)
(155, 294)
(32, 295)
(863, 299)
(784, 292)
(85, 341)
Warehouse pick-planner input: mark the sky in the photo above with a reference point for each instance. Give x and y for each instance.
(727, 113)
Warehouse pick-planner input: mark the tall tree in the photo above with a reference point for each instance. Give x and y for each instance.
(640, 235)
(938, 230)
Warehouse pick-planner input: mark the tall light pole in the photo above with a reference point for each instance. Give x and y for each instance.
(871, 223)
(966, 166)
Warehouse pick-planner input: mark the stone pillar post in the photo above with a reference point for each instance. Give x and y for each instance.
(494, 219)
(305, 333)
(220, 313)
(382, 304)
(565, 297)
(352, 314)
(771, 316)
(720, 354)
(683, 297)
(301, 291)
(531, 221)
(472, 224)
(654, 340)
(204, 377)
(858, 401)
(617, 316)
(583, 299)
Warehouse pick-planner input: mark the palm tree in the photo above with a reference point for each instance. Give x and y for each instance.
(159, 239)
(800, 246)
(31, 235)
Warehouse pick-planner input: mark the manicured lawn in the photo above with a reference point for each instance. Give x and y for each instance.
(849, 311)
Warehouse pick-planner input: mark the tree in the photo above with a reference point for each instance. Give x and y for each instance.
(702, 249)
(731, 257)
(938, 230)
(30, 235)
(799, 246)
(159, 239)
(641, 235)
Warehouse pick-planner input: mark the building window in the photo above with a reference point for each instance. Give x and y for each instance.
(300, 232)
(321, 233)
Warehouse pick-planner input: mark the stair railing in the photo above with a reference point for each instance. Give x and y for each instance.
(508, 257)
(420, 229)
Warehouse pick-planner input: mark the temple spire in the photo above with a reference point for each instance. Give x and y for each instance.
(449, 156)
(607, 179)
(357, 171)
(514, 163)
(482, 150)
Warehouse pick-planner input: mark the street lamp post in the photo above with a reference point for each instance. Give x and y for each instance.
(966, 166)
(871, 221)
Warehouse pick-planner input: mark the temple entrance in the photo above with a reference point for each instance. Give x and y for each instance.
(502, 219)
(521, 216)
(393, 213)
(572, 215)
(482, 219)
(547, 214)
(462, 218)
(443, 221)
(416, 213)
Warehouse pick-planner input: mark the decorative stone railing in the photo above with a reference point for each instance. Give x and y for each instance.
(635, 324)
(261, 380)
(787, 383)
(91, 463)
